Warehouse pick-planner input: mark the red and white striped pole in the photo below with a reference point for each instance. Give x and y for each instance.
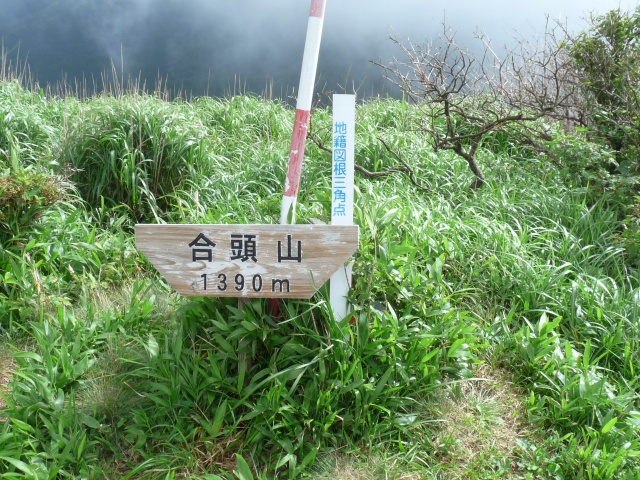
(303, 109)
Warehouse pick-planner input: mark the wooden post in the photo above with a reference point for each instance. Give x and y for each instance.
(342, 190)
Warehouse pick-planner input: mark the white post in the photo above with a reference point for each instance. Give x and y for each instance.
(342, 188)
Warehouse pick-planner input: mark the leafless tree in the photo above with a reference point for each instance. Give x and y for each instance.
(463, 96)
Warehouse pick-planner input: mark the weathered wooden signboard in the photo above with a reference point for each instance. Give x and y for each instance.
(269, 261)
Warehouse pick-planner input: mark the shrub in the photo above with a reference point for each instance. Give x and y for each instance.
(606, 57)
(24, 196)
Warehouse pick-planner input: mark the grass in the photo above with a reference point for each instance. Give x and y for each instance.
(7, 366)
(343, 467)
(494, 333)
(479, 424)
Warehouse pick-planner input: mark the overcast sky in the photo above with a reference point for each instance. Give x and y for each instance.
(203, 45)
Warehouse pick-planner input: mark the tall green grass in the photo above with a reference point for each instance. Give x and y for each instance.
(118, 377)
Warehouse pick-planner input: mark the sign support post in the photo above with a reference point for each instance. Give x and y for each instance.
(342, 191)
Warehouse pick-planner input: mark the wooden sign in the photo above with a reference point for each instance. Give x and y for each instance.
(270, 261)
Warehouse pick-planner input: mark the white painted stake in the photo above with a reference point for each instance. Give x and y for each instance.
(303, 109)
(342, 187)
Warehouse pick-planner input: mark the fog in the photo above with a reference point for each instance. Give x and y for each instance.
(219, 46)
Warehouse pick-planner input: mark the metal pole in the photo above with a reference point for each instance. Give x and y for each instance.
(303, 109)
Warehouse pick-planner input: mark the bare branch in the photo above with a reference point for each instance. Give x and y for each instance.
(404, 168)
(464, 96)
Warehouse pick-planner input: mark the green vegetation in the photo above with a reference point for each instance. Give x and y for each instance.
(495, 331)
(606, 55)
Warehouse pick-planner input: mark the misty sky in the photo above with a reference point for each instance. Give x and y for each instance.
(203, 46)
